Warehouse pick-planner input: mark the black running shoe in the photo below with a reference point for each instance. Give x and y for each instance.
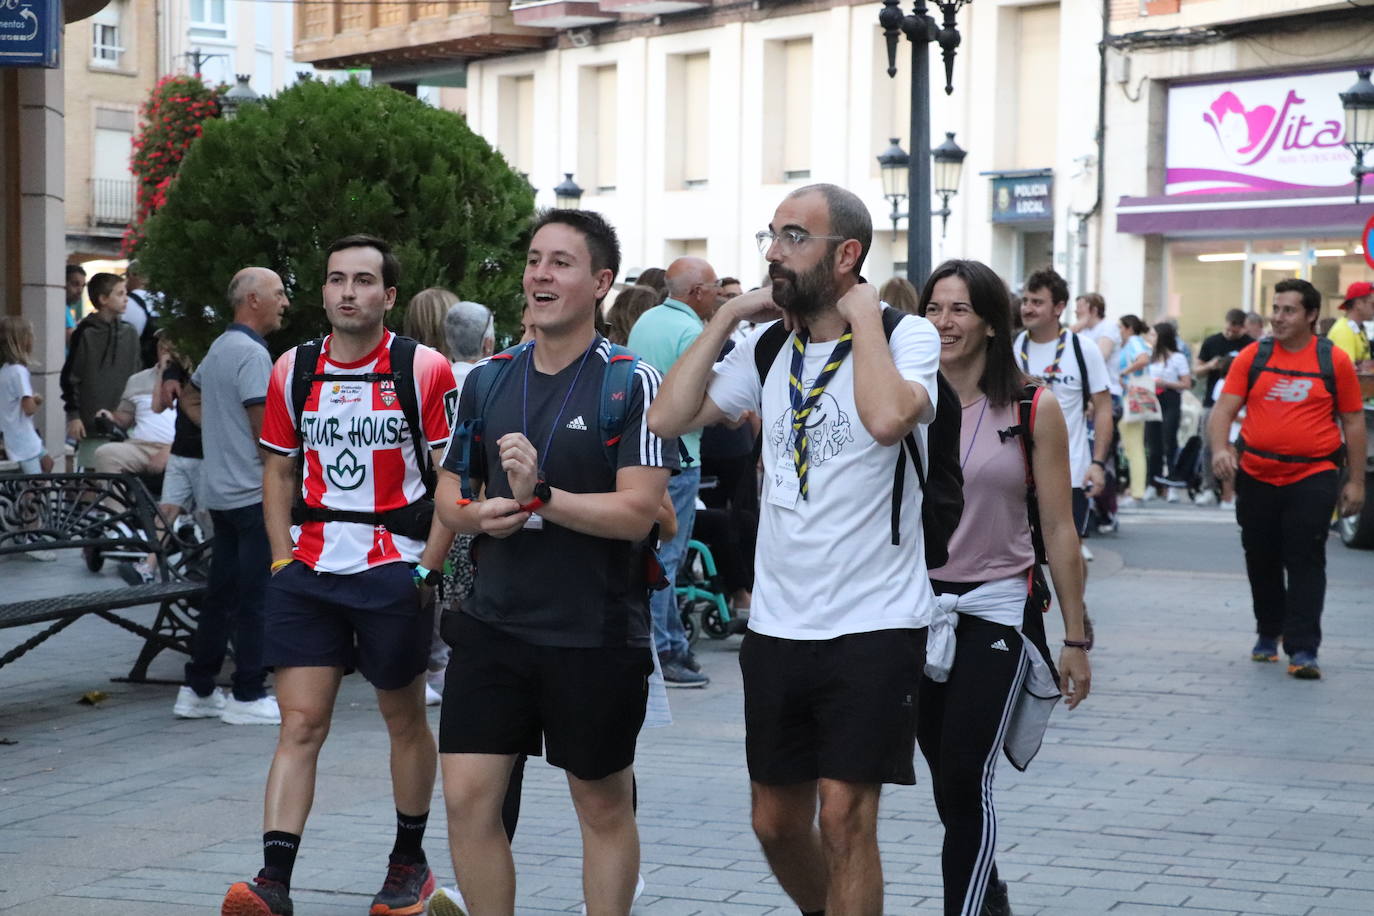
(260, 897)
(405, 890)
(996, 902)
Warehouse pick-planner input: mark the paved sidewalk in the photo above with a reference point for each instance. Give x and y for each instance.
(1192, 780)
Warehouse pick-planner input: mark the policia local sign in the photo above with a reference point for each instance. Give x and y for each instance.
(30, 33)
(1023, 198)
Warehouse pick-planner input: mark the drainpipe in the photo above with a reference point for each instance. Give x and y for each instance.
(1083, 218)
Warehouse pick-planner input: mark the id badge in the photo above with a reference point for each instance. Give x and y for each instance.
(785, 489)
(534, 523)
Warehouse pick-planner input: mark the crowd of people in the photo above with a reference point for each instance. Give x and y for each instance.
(498, 533)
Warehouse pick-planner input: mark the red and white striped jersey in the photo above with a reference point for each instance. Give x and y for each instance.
(359, 452)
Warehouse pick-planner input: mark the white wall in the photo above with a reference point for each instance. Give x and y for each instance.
(260, 41)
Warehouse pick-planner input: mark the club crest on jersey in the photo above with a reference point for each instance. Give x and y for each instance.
(387, 390)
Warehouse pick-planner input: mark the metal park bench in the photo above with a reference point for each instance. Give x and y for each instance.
(96, 514)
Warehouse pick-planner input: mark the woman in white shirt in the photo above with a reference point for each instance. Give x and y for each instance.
(1172, 376)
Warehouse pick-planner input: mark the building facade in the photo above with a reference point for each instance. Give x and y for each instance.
(1224, 133)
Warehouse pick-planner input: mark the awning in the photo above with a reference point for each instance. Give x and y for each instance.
(1256, 213)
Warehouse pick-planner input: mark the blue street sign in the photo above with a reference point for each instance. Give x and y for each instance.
(30, 33)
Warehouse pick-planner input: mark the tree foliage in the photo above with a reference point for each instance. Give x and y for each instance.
(172, 119)
(277, 184)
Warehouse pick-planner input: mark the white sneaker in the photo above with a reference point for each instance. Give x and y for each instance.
(262, 711)
(1228, 504)
(1205, 498)
(189, 705)
(1150, 496)
(41, 556)
(639, 892)
(1171, 495)
(446, 901)
(1126, 502)
(432, 696)
(1087, 554)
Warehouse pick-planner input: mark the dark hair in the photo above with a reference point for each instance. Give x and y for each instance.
(1048, 278)
(1235, 316)
(1311, 299)
(730, 281)
(1096, 304)
(99, 287)
(1133, 322)
(1002, 380)
(74, 269)
(629, 304)
(656, 278)
(391, 268)
(1166, 340)
(603, 245)
(849, 217)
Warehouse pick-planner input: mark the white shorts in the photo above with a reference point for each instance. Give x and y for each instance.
(181, 483)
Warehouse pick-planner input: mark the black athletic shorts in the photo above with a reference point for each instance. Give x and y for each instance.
(503, 695)
(1080, 511)
(842, 708)
(371, 621)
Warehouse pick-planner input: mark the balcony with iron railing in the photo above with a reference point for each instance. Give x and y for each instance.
(345, 34)
(112, 202)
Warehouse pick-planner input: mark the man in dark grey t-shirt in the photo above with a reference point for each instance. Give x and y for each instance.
(232, 380)
(555, 648)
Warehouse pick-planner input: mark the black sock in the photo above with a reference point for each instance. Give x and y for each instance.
(813, 912)
(279, 856)
(410, 832)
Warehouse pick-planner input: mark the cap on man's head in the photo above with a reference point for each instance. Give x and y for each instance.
(1356, 290)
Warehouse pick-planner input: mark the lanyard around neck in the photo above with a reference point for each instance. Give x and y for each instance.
(525, 402)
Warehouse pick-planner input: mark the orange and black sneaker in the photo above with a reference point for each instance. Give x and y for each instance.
(1266, 650)
(260, 897)
(1303, 666)
(407, 887)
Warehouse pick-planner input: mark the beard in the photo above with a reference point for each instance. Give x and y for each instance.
(803, 295)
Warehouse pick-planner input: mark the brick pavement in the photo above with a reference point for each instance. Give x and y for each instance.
(1193, 780)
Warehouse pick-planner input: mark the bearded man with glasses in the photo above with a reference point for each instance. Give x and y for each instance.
(836, 638)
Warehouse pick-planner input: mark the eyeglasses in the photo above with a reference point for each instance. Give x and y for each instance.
(789, 240)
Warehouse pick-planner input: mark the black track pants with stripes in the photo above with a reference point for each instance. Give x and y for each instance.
(960, 727)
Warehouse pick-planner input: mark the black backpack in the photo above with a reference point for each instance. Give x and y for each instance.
(943, 485)
(412, 521)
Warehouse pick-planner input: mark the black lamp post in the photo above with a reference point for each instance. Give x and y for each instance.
(949, 166)
(893, 164)
(1358, 102)
(567, 194)
(920, 29)
(241, 94)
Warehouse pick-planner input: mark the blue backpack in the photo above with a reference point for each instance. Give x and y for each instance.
(617, 387)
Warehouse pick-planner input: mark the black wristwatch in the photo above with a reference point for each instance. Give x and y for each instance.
(1101, 464)
(542, 491)
(430, 577)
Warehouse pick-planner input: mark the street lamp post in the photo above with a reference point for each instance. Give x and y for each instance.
(567, 194)
(893, 164)
(920, 29)
(1358, 102)
(241, 94)
(949, 167)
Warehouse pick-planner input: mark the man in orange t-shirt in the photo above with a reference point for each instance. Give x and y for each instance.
(1286, 471)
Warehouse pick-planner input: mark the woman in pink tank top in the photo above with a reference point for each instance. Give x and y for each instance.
(989, 681)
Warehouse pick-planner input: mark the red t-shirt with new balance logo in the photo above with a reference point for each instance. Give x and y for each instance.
(1291, 415)
(359, 452)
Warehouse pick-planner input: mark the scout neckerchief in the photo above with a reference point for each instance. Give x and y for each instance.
(1053, 368)
(802, 402)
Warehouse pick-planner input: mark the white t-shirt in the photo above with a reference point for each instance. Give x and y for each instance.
(826, 567)
(1067, 388)
(1170, 369)
(1106, 330)
(21, 439)
(148, 426)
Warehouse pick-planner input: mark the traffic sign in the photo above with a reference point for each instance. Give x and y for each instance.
(30, 33)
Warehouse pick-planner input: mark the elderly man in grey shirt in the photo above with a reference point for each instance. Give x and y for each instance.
(232, 380)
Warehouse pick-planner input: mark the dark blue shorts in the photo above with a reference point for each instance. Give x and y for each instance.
(370, 621)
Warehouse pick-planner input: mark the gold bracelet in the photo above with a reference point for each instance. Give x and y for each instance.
(279, 564)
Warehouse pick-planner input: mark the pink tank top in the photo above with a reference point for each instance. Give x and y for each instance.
(993, 539)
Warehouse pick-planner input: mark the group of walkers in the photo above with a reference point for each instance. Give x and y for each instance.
(918, 473)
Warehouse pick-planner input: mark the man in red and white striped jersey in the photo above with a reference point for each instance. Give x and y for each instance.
(353, 546)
